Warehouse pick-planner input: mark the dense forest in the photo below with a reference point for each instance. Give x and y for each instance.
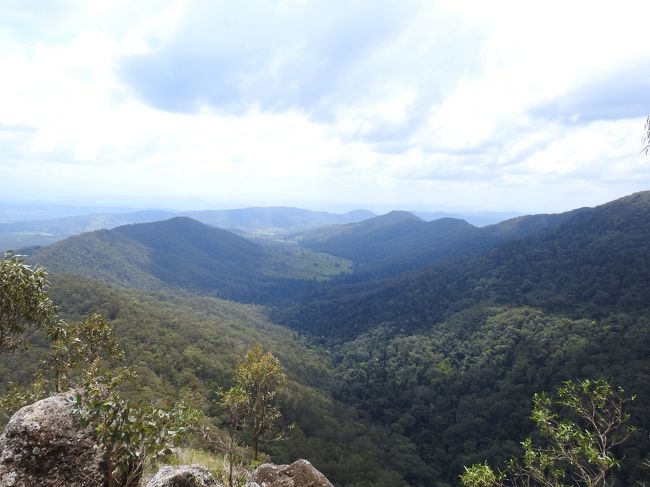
(411, 348)
(450, 355)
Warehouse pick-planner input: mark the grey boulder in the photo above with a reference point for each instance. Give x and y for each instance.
(44, 445)
(183, 476)
(300, 473)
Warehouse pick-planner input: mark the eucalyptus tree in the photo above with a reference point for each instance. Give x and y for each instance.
(251, 404)
(24, 302)
(580, 428)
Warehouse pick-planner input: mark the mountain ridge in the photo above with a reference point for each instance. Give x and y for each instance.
(400, 241)
(184, 254)
(443, 359)
(450, 355)
(547, 262)
(272, 220)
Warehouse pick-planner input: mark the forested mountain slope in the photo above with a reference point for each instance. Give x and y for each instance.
(399, 241)
(435, 367)
(450, 355)
(595, 262)
(393, 242)
(182, 253)
(187, 347)
(461, 390)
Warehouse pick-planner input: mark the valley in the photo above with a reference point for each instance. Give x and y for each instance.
(324, 244)
(412, 348)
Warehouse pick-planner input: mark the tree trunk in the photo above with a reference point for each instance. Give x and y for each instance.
(231, 455)
(109, 467)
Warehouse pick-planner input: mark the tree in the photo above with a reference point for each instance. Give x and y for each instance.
(250, 405)
(234, 404)
(646, 136)
(578, 449)
(132, 437)
(259, 376)
(74, 347)
(24, 303)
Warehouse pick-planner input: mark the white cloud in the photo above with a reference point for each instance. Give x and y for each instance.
(436, 105)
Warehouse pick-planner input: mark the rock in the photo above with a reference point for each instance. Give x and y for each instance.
(183, 476)
(300, 473)
(43, 445)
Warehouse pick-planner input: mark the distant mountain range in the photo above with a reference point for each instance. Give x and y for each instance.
(585, 262)
(476, 218)
(24, 228)
(400, 241)
(262, 221)
(437, 332)
(182, 253)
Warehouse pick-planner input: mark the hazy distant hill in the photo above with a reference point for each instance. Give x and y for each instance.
(184, 253)
(279, 218)
(476, 218)
(22, 212)
(273, 220)
(71, 225)
(44, 232)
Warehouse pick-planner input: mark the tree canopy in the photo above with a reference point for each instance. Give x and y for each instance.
(578, 446)
(260, 377)
(24, 303)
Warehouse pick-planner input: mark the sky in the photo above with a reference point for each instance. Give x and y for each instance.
(501, 105)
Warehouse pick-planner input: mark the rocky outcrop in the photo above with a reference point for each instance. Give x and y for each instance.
(183, 476)
(300, 473)
(43, 445)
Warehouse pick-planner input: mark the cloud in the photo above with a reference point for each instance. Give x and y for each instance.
(616, 95)
(413, 103)
(273, 55)
(334, 61)
(16, 127)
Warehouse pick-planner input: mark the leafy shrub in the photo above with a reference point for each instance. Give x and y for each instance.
(131, 436)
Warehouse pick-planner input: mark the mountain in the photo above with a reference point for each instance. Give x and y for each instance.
(181, 253)
(450, 355)
(44, 232)
(186, 347)
(400, 241)
(476, 218)
(19, 234)
(422, 361)
(275, 219)
(391, 243)
(585, 262)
